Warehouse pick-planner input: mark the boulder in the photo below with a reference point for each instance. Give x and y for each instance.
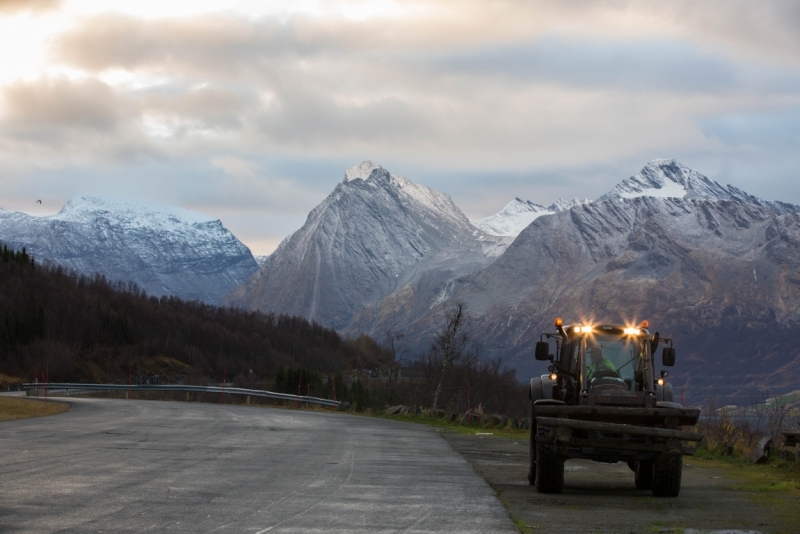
(415, 410)
(786, 455)
(470, 417)
(453, 417)
(503, 420)
(405, 410)
(394, 410)
(525, 423)
(514, 423)
(728, 450)
(761, 451)
(496, 420)
(345, 406)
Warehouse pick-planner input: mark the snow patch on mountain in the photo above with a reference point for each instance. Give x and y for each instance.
(666, 178)
(166, 250)
(129, 212)
(360, 171)
(518, 214)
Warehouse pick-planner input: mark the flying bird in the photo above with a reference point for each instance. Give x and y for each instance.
(38, 201)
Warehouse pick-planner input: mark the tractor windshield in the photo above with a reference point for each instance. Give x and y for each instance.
(612, 360)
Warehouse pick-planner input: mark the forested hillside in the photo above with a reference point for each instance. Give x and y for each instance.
(89, 329)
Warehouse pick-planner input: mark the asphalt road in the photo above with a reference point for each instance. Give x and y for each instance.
(145, 466)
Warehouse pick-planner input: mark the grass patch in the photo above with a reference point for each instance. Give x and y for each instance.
(775, 485)
(505, 432)
(12, 408)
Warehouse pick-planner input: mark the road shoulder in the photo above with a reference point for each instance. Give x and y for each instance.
(602, 497)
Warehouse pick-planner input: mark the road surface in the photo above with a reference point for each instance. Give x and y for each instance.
(146, 466)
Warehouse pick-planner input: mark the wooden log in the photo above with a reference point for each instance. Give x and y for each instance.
(622, 445)
(681, 416)
(792, 438)
(613, 428)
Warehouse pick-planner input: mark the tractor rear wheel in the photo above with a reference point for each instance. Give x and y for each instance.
(549, 467)
(532, 449)
(667, 471)
(644, 474)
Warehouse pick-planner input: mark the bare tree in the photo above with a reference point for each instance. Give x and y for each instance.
(452, 346)
(397, 347)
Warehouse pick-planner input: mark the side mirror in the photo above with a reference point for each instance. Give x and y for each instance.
(668, 357)
(542, 350)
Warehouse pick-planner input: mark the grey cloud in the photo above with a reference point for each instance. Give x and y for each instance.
(207, 44)
(60, 101)
(220, 42)
(649, 65)
(204, 108)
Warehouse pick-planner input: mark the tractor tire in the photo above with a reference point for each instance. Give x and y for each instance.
(667, 471)
(549, 468)
(644, 474)
(532, 449)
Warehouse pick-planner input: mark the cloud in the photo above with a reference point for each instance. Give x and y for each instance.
(16, 6)
(258, 116)
(48, 103)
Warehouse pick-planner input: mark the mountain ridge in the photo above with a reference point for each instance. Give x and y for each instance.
(166, 250)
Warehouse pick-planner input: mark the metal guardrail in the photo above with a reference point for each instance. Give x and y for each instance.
(61, 389)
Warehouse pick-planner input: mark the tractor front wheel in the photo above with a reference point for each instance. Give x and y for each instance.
(667, 471)
(549, 467)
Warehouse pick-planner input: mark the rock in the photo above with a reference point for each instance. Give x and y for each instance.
(525, 423)
(438, 413)
(415, 410)
(470, 418)
(503, 420)
(728, 449)
(786, 455)
(496, 420)
(404, 410)
(344, 406)
(453, 417)
(394, 410)
(761, 450)
(514, 423)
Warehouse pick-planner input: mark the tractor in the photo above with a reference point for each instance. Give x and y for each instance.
(603, 400)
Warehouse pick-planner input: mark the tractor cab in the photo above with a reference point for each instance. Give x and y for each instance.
(605, 364)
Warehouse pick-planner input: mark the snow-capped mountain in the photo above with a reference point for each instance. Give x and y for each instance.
(666, 178)
(166, 250)
(379, 246)
(518, 214)
(711, 266)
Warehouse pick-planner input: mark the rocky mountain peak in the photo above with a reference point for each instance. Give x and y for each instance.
(666, 178)
(362, 171)
(378, 242)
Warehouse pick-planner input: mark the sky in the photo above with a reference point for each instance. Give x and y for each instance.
(251, 111)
